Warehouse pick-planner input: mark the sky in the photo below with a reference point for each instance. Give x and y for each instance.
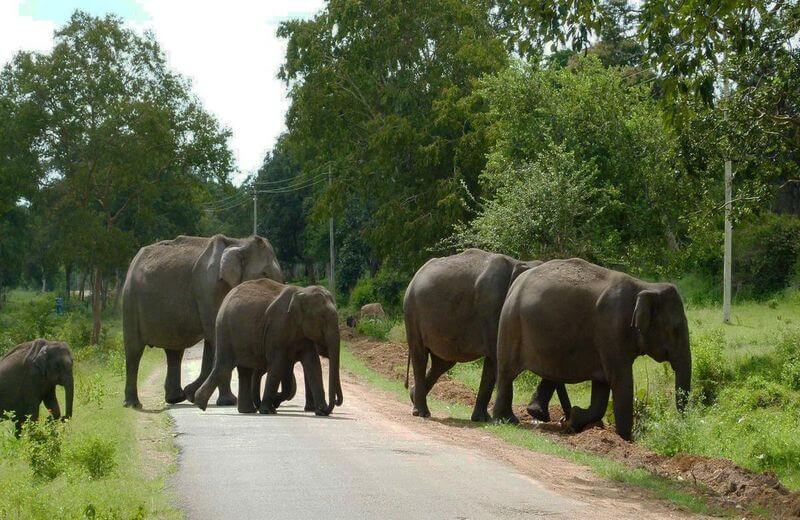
(227, 48)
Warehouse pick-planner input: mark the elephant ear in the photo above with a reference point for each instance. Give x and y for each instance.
(37, 356)
(643, 311)
(230, 266)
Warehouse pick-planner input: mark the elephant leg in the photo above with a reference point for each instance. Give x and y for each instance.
(419, 362)
(312, 370)
(502, 411)
(51, 403)
(279, 364)
(172, 385)
(133, 355)
(563, 398)
(205, 369)
(245, 404)
(438, 367)
(622, 389)
(255, 387)
(539, 407)
(309, 406)
(225, 395)
(220, 374)
(580, 417)
(488, 377)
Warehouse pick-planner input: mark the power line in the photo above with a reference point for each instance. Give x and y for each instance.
(287, 181)
(223, 208)
(296, 187)
(227, 200)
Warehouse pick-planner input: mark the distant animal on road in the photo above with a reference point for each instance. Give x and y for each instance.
(265, 326)
(29, 374)
(372, 310)
(170, 299)
(572, 321)
(452, 308)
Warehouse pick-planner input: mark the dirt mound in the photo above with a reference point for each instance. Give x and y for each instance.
(718, 479)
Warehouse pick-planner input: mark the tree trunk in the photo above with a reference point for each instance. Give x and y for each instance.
(117, 288)
(103, 293)
(67, 275)
(83, 286)
(44, 284)
(96, 305)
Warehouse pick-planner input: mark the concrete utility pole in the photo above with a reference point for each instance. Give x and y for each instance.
(330, 233)
(255, 210)
(727, 261)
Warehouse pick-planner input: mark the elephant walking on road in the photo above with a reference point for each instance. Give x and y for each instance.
(572, 321)
(452, 308)
(29, 374)
(170, 299)
(265, 326)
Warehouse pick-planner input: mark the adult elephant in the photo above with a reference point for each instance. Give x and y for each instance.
(265, 326)
(452, 307)
(29, 374)
(170, 299)
(572, 321)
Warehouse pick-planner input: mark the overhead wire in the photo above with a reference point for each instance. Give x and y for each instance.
(243, 197)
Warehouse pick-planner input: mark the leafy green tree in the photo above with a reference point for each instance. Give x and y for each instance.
(579, 140)
(126, 146)
(379, 94)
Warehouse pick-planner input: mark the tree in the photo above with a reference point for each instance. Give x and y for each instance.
(379, 94)
(123, 142)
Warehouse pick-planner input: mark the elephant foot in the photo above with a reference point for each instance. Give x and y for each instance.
(421, 412)
(482, 416)
(537, 412)
(266, 408)
(226, 400)
(309, 408)
(580, 418)
(175, 397)
(191, 389)
(323, 411)
(132, 403)
(246, 407)
(506, 418)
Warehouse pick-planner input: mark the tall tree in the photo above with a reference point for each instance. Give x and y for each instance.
(122, 139)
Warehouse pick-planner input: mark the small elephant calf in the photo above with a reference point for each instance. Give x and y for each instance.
(29, 374)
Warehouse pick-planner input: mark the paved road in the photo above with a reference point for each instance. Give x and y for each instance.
(354, 464)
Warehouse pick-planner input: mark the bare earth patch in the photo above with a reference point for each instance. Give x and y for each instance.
(719, 480)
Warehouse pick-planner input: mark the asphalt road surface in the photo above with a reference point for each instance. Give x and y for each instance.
(358, 463)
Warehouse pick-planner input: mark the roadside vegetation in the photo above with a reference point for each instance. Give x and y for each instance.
(107, 461)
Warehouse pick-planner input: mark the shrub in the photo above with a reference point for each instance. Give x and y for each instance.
(96, 455)
(390, 287)
(708, 364)
(42, 447)
(76, 329)
(766, 253)
(376, 327)
(363, 293)
(756, 392)
(788, 354)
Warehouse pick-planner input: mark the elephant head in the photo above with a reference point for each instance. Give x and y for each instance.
(663, 334)
(52, 360)
(247, 259)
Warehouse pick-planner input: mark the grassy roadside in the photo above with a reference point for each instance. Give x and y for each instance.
(658, 487)
(106, 462)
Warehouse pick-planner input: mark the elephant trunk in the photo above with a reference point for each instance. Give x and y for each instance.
(682, 365)
(334, 384)
(68, 396)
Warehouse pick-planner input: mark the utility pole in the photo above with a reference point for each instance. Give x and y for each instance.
(255, 210)
(330, 233)
(727, 260)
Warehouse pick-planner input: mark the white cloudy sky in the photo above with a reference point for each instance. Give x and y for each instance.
(228, 48)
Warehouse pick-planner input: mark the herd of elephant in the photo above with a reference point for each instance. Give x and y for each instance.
(566, 320)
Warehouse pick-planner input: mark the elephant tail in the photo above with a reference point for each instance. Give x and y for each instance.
(408, 366)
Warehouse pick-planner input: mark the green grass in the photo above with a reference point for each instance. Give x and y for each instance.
(733, 362)
(659, 487)
(114, 462)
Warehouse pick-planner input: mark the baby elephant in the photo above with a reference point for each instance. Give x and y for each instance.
(266, 326)
(29, 374)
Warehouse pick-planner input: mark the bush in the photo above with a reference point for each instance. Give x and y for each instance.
(708, 364)
(42, 447)
(76, 329)
(766, 253)
(756, 392)
(363, 293)
(387, 287)
(96, 455)
(376, 327)
(788, 354)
